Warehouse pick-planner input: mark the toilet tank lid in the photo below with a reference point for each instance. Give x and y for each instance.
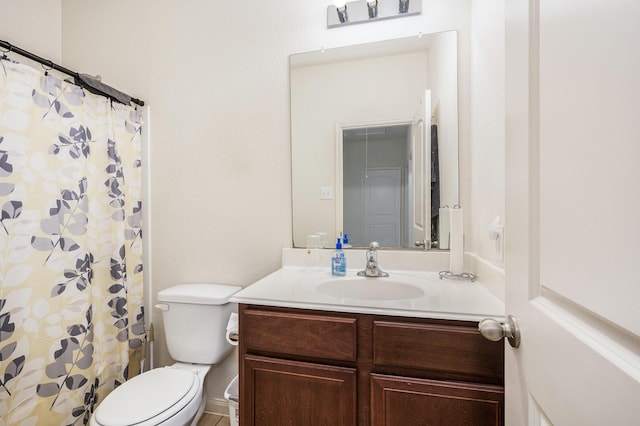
(198, 293)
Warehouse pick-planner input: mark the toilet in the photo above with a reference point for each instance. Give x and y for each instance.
(195, 317)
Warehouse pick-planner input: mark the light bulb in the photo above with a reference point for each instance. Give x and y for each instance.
(341, 9)
(372, 7)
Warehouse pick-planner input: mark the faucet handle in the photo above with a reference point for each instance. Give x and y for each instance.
(372, 269)
(372, 254)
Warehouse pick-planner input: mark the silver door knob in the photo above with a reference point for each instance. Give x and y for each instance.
(494, 330)
(425, 244)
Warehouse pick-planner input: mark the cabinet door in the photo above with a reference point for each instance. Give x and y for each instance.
(402, 401)
(282, 392)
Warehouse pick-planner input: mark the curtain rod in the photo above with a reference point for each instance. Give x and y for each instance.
(76, 76)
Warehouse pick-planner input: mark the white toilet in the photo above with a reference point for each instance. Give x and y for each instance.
(195, 317)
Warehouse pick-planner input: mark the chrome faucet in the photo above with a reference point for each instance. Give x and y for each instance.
(372, 269)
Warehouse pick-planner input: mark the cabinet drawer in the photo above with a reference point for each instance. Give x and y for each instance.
(327, 337)
(445, 348)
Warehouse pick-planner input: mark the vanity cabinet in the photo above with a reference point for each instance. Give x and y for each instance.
(308, 367)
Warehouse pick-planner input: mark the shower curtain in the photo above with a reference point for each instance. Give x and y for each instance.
(71, 313)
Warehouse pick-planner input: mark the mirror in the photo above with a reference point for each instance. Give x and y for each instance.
(374, 134)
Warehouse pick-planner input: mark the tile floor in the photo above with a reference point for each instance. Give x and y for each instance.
(209, 419)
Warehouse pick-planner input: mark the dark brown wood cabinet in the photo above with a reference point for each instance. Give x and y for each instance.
(317, 368)
(410, 401)
(299, 393)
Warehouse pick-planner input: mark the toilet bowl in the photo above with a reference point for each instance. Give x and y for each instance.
(174, 396)
(195, 317)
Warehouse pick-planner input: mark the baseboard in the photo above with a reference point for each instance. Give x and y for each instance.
(219, 406)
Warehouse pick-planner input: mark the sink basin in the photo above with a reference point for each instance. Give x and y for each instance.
(369, 289)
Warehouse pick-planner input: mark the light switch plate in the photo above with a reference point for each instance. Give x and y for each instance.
(326, 193)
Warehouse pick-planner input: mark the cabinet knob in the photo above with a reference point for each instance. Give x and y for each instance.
(494, 330)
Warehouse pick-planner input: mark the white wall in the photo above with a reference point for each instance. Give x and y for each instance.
(33, 25)
(483, 188)
(215, 75)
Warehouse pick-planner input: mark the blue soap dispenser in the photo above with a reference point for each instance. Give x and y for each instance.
(338, 260)
(345, 241)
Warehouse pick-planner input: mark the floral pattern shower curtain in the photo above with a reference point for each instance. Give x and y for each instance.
(71, 312)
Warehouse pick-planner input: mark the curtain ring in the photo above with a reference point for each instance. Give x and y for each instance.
(44, 67)
(4, 52)
(4, 57)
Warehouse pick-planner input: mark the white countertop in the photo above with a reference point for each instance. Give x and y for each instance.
(297, 287)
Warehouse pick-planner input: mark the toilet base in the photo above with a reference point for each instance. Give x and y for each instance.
(203, 403)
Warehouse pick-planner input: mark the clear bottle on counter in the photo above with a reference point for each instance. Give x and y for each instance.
(339, 260)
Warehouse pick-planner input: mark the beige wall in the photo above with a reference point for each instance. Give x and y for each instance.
(215, 77)
(33, 25)
(485, 183)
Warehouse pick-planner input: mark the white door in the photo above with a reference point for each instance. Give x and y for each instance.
(383, 206)
(573, 211)
(421, 171)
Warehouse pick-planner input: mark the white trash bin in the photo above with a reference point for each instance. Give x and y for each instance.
(232, 395)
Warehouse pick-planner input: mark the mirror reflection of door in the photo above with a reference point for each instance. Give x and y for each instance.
(417, 183)
(375, 182)
(425, 178)
(383, 193)
(388, 182)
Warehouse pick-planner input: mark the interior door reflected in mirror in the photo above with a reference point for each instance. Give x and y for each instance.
(375, 141)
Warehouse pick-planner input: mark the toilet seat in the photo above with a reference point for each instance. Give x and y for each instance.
(165, 392)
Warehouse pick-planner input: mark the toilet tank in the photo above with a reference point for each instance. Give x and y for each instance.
(195, 319)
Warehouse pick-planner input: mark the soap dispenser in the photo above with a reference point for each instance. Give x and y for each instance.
(338, 260)
(345, 241)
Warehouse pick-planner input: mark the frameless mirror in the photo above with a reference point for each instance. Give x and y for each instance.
(374, 136)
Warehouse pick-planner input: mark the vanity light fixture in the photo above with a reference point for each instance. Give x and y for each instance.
(369, 10)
